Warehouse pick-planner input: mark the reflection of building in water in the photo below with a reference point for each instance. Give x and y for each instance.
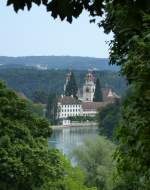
(66, 139)
(68, 106)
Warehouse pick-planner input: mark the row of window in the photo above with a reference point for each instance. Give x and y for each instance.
(74, 106)
(68, 115)
(71, 110)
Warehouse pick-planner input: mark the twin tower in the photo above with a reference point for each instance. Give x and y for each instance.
(87, 93)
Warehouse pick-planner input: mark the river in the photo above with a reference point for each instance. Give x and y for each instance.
(66, 139)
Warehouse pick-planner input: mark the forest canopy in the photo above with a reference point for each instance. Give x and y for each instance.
(34, 83)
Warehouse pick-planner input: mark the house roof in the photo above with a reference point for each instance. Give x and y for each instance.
(87, 106)
(68, 100)
(109, 94)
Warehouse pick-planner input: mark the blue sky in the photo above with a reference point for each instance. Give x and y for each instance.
(37, 33)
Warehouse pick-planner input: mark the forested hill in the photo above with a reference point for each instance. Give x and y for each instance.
(57, 62)
(49, 81)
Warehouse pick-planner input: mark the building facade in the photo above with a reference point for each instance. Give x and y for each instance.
(68, 106)
(88, 88)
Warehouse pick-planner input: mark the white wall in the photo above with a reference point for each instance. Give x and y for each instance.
(69, 110)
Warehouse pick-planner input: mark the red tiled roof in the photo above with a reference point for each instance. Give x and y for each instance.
(93, 105)
(68, 100)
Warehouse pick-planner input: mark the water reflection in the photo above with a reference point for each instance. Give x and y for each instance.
(65, 139)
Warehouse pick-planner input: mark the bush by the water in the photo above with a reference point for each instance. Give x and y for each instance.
(94, 157)
(82, 118)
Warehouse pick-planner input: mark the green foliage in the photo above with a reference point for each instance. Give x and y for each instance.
(130, 23)
(71, 87)
(74, 179)
(37, 109)
(40, 97)
(28, 81)
(108, 119)
(25, 160)
(64, 9)
(95, 158)
(52, 108)
(57, 62)
(98, 97)
(82, 118)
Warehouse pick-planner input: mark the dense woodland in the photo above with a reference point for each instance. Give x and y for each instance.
(26, 162)
(29, 81)
(57, 62)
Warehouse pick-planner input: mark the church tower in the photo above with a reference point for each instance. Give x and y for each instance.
(68, 76)
(89, 88)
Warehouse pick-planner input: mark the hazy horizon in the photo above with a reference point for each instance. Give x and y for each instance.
(53, 56)
(36, 33)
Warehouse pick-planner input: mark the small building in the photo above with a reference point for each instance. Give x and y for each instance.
(109, 95)
(91, 108)
(66, 122)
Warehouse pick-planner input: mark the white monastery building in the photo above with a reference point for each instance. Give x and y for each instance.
(68, 106)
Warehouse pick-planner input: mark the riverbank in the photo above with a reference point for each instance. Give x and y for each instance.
(76, 124)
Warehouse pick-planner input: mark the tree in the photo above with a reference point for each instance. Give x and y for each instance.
(108, 119)
(39, 97)
(95, 159)
(64, 9)
(129, 21)
(98, 92)
(71, 87)
(52, 108)
(26, 162)
(37, 109)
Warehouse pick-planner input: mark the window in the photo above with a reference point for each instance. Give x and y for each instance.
(87, 89)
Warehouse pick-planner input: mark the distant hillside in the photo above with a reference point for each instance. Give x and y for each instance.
(28, 81)
(57, 62)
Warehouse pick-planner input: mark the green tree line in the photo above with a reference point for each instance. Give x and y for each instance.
(37, 85)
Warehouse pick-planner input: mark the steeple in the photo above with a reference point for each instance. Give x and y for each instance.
(89, 87)
(110, 93)
(67, 80)
(89, 76)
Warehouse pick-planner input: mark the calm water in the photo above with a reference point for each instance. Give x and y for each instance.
(65, 139)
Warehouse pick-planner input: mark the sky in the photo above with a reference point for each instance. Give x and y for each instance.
(37, 33)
